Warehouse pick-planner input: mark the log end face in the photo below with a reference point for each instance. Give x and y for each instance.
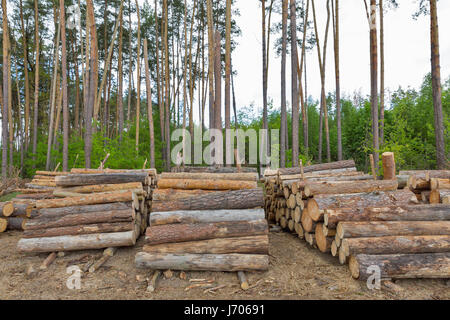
(8, 209)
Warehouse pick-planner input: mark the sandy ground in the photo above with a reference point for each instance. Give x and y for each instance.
(296, 272)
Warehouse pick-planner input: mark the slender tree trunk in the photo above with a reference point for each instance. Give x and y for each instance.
(36, 82)
(337, 73)
(6, 96)
(264, 143)
(53, 96)
(62, 13)
(158, 77)
(120, 82)
(130, 76)
(10, 115)
(227, 82)
(27, 84)
(300, 72)
(167, 85)
(92, 83)
(218, 82)
(76, 124)
(283, 141)
(149, 106)
(382, 76)
(294, 80)
(138, 86)
(374, 79)
(211, 64)
(437, 88)
(322, 67)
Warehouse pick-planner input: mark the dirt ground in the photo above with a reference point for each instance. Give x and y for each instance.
(296, 272)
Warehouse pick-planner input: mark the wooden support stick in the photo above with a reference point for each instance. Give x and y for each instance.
(48, 261)
(108, 253)
(57, 166)
(145, 164)
(372, 164)
(152, 284)
(243, 280)
(302, 171)
(102, 164)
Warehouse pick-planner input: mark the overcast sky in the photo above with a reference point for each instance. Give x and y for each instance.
(407, 51)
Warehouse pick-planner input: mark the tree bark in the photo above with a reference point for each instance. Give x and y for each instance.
(243, 245)
(294, 85)
(173, 233)
(63, 211)
(108, 227)
(65, 97)
(437, 88)
(191, 184)
(85, 200)
(95, 179)
(396, 245)
(240, 199)
(283, 142)
(346, 164)
(366, 229)
(149, 106)
(347, 187)
(79, 219)
(402, 266)
(320, 203)
(203, 262)
(390, 213)
(76, 243)
(184, 217)
(211, 176)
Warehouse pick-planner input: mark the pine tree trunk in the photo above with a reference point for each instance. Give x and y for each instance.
(27, 84)
(36, 82)
(337, 73)
(294, 80)
(437, 88)
(6, 96)
(138, 86)
(374, 80)
(149, 106)
(64, 87)
(283, 141)
(120, 82)
(229, 151)
(210, 64)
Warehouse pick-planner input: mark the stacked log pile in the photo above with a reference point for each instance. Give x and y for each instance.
(431, 186)
(206, 222)
(97, 210)
(44, 181)
(364, 222)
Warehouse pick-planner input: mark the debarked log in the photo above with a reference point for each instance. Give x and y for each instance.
(203, 262)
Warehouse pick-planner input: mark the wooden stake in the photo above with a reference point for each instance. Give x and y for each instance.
(57, 166)
(48, 261)
(102, 164)
(243, 280)
(108, 253)
(152, 285)
(301, 169)
(372, 164)
(145, 164)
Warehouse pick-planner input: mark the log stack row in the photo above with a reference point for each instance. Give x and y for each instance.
(431, 186)
(402, 241)
(14, 214)
(92, 211)
(206, 222)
